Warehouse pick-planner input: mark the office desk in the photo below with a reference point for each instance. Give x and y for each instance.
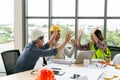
(20, 76)
(91, 73)
(26, 75)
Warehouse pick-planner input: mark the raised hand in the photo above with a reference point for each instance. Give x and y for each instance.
(73, 42)
(68, 35)
(80, 33)
(94, 29)
(54, 35)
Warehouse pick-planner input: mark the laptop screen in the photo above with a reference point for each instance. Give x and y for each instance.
(88, 54)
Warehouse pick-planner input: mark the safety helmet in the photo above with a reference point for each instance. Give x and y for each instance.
(35, 34)
(57, 28)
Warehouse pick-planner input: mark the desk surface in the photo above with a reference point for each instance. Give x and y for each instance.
(76, 68)
(20, 76)
(26, 75)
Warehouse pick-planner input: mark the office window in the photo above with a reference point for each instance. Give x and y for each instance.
(113, 32)
(91, 7)
(113, 8)
(63, 8)
(38, 23)
(85, 14)
(37, 7)
(87, 25)
(6, 27)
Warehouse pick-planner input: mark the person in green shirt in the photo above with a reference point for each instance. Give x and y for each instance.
(97, 43)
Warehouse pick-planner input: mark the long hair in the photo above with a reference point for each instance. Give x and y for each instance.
(98, 33)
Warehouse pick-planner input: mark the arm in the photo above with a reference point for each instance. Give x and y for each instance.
(42, 52)
(49, 52)
(45, 46)
(94, 37)
(52, 39)
(102, 45)
(79, 46)
(70, 53)
(67, 38)
(79, 38)
(99, 44)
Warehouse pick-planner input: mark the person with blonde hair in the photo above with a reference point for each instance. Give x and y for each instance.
(36, 49)
(56, 43)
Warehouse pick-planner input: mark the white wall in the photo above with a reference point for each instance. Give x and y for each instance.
(18, 24)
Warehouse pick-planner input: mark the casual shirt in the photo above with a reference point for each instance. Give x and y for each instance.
(62, 54)
(31, 54)
(100, 44)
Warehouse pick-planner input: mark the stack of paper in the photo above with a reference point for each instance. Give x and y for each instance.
(60, 61)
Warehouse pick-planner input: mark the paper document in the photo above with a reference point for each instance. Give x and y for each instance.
(56, 66)
(60, 61)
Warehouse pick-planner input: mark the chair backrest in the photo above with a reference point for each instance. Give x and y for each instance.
(9, 59)
(114, 50)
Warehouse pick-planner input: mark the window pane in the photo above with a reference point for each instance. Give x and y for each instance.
(113, 32)
(6, 28)
(91, 8)
(37, 7)
(65, 24)
(38, 23)
(87, 25)
(63, 7)
(113, 8)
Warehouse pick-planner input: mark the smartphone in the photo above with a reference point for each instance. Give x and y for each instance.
(75, 76)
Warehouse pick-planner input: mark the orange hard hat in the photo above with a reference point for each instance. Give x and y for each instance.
(45, 74)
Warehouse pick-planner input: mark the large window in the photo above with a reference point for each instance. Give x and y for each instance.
(38, 23)
(87, 25)
(113, 32)
(91, 7)
(75, 15)
(38, 7)
(113, 6)
(63, 8)
(6, 27)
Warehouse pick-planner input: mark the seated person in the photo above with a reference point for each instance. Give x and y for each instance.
(36, 49)
(64, 51)
(116, 59)
(97, 43)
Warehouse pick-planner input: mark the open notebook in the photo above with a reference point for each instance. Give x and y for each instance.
(84, 55)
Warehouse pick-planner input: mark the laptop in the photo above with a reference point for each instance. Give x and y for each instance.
(84, 55)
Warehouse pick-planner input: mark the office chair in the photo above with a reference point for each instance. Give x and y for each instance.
(9, 59)
(114, 51)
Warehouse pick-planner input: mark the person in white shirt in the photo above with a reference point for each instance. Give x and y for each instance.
(116, 59)
(65, 50)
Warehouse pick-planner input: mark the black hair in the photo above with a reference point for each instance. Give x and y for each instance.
(41, 37)
(98, 33)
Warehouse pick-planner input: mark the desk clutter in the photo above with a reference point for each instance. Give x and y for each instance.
(95, 71)
(56, 71)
